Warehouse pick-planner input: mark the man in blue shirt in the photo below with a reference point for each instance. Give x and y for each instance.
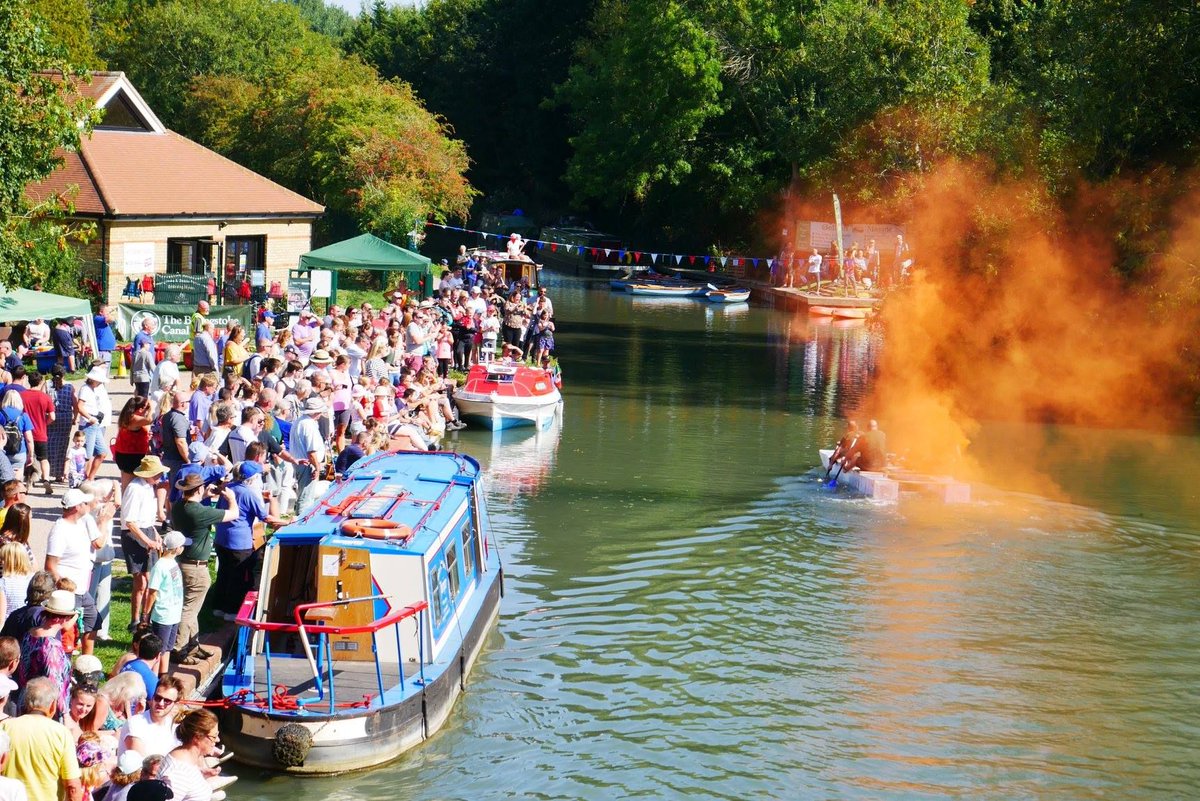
(146, 665)
(236, 555)
(209, 474)
(106, 340)
(63, 337)
(200, 405)
(265, 327)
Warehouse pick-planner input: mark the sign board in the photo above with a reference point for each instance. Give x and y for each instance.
(258, 278)
(298, 295)
(138, 258)
(169, 323)
(180, 289)
(822, 235)
(320, 283)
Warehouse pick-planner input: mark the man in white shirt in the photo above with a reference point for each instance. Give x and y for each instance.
(167, 371)
(307, 445)
(69, 553)
(95, 411)
(152, 733)
(139, 532)
(477, 304)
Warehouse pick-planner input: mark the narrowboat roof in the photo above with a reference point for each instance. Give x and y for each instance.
(423, 491)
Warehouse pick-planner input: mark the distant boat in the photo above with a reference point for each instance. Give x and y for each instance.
(820, 311)
(370, 614)
(850, 314)
(665, 290)
(735, 295)
(499, 395)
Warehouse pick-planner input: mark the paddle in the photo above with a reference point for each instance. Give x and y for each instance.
(833, 481)
(713, 288)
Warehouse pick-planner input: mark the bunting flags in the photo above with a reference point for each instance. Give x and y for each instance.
(625, 256)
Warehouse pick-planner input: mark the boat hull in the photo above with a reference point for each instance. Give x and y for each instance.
(728, 296)
(648, 290)
(497, 413)
(886, 485)
(343, 743)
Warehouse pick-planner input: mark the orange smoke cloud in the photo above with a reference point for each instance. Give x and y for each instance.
(1017, 313)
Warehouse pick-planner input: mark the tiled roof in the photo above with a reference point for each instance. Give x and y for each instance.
(72, 173)
(162, 174)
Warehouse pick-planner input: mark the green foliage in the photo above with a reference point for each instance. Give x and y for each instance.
(37, 118)
(328, 20)
(69, 25)
(268, 91)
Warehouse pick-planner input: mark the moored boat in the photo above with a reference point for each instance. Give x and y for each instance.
(850, 314)
(372, 609)
(504, 395)
(735, 295)
(820, 311)
(666, 290)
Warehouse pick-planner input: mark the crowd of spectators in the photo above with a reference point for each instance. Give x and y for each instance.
(206, 461)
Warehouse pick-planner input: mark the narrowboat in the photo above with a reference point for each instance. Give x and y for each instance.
(371, 611)
(502, 394)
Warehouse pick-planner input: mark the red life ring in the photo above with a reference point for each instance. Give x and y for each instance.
(376, 529)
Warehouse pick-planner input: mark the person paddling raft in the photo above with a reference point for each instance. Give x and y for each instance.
(870, 452)
(844, 445)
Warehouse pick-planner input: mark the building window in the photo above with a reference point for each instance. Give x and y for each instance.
(120, 114)
(245, 268)
(188, 256)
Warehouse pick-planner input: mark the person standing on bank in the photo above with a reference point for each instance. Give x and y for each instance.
(139, 534)
(70, 551)
(94, 407)
(307, 445)
(236, 555)
(196, 522)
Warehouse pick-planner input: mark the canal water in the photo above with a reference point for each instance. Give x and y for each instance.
(690, 614)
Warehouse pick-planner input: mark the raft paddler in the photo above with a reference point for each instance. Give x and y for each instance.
(870, 452)
(844, 445)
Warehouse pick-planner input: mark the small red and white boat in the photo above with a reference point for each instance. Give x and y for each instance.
(505, 395)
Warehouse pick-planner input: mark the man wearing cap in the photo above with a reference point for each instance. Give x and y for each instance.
(41, 751)
(236, 556)
(306, 444)
(164, 602)
(93, 408)
(198, 458)
(196, 522)
(266, 326)
(69, 552)
(139, 533)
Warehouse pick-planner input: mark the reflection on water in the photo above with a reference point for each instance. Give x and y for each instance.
(689, 614)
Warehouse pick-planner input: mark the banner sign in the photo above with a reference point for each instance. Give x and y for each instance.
(180, 289)
(298, 296)
(139, 258)
(169, 323)
(824, 235)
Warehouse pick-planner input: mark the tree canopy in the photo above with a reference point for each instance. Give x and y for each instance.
(39, 115)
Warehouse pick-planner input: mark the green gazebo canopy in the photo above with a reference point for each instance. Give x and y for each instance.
(369, 252)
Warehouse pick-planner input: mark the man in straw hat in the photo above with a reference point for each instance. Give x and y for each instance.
(94, 408)
(306, 444)
(139, 529)
(196, 522)
(69, 552)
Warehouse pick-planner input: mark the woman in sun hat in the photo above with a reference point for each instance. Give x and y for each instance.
(41, 648)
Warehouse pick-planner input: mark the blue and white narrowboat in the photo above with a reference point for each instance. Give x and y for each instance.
(369, 616)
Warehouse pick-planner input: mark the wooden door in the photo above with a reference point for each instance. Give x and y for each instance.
(350, 570)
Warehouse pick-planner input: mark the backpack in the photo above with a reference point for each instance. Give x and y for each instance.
(12, 435)
(251, 366)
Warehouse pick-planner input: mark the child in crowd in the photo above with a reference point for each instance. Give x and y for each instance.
(70, 633)
(444, 351)
(165, 596)
(76, 460)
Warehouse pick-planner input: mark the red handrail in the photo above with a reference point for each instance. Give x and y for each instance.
(392, 617)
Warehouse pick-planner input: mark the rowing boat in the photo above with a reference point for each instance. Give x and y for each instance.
(735, 295)
(885, 485)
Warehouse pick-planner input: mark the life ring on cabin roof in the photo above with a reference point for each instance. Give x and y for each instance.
(376, 529)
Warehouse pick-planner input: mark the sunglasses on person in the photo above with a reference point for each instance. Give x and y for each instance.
(161, 699)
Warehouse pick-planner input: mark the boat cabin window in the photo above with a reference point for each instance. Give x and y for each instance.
(469, 542)
(501, 378)
(452, 569)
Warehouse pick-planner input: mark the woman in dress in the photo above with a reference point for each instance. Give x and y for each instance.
(545, 338)
(59, 432)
